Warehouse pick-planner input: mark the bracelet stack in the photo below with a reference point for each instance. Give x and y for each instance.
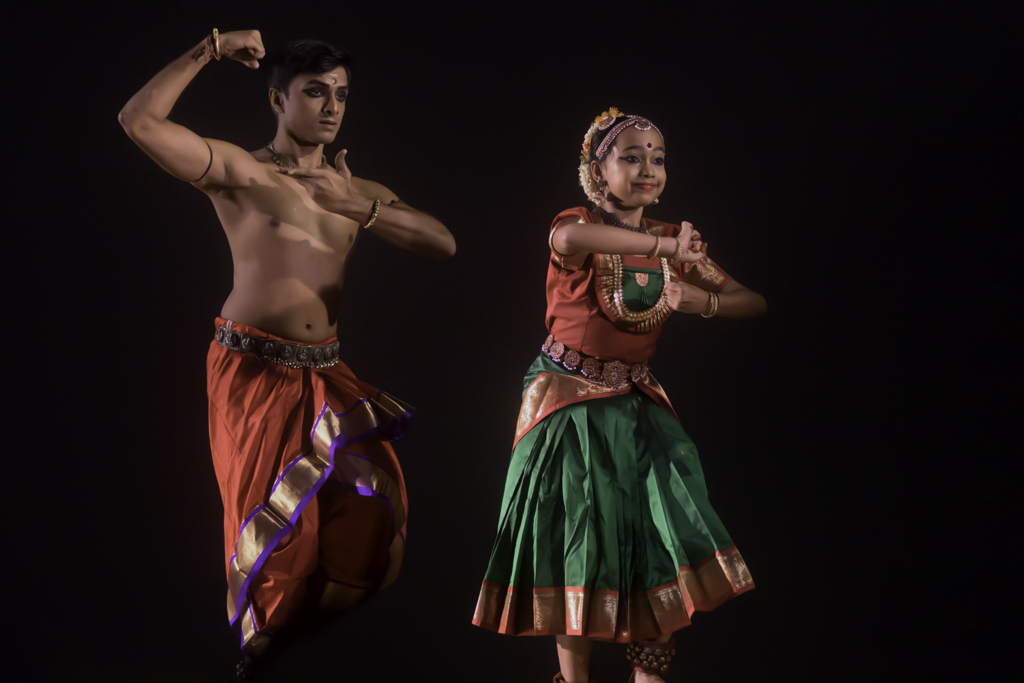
(712, 306)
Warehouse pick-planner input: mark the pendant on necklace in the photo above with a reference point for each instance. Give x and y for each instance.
(642, 279)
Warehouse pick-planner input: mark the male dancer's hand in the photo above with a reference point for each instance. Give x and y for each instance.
(331, 189)
(242, 46)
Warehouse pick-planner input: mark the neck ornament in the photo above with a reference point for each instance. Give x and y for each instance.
(284, 162)
(611, 220)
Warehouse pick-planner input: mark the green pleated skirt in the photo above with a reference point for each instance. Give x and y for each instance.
(605, 527)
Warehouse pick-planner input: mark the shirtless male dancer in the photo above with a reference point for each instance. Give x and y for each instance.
(314, 500)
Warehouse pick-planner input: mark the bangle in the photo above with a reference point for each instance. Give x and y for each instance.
(657, 247)
(216, 45)
(712, 306)
(678, 255)
(373, 215)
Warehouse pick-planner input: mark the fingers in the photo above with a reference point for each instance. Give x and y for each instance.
(340, 165)
(254, 43)
(692, 256)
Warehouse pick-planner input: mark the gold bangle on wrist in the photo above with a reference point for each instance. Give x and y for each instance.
(678, 255)
(712, 306)
(373, 214)
(657, 247)
(216, 45)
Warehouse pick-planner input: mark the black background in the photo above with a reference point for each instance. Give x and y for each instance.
(858, 165)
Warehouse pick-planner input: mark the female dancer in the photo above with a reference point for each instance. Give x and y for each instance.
(605, 529)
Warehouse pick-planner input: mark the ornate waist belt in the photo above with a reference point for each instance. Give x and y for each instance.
(284, 353)
(613, 374)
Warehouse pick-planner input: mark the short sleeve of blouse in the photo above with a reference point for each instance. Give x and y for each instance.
(571, 261)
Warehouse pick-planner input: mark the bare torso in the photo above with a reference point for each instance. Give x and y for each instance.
(289, 254)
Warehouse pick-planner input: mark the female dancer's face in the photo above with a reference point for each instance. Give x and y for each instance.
(634, 168)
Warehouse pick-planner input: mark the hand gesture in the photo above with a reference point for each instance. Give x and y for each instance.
(693, 248)
(686, 298)
(242, 46)
(328, 187)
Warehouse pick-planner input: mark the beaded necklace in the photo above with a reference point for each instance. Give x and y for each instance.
(611, 220)
(284, 162)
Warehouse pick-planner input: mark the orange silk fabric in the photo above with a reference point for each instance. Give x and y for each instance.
(574, 313)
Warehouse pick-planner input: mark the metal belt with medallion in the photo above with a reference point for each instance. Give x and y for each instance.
(293, 355)
(613, 374)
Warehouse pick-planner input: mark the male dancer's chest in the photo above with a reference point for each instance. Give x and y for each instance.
(282, 216)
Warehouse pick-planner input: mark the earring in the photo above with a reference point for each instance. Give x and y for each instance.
(599, 195)
(655, 201)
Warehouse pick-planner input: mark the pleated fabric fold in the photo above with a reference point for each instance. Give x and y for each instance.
(606, 530)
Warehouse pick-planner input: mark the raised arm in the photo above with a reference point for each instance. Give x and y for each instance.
(178, 150)
(339, 192)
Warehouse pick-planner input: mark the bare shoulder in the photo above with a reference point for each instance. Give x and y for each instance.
(373, 190)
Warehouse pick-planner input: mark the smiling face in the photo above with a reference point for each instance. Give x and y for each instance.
(314, 106)
(634, 168)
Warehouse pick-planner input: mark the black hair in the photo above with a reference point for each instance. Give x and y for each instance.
(306, 56)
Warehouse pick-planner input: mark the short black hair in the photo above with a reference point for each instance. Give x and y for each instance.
(306, 56)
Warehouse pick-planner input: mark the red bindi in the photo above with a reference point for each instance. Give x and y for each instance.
(649, 145)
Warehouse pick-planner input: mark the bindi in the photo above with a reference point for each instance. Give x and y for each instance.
(649, 145)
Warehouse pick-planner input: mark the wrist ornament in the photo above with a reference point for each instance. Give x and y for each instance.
(215, 36)
(373, 214)
(657, 247)
(678, 255)
(712, 308)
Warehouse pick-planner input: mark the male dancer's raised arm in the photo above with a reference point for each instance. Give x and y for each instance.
(179, 151)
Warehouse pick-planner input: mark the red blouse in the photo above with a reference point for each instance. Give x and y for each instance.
(575, 315)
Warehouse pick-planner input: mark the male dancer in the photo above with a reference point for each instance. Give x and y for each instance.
(314, 500)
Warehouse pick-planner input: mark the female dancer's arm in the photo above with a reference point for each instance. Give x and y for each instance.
(734, 301)
(572, 237)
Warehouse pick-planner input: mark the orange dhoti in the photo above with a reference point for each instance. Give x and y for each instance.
(313, 493)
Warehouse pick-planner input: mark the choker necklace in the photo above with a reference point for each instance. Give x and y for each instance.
(610, 220)
(284, 162)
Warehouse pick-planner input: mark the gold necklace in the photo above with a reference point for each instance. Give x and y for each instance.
(284, 162)
(643, 321)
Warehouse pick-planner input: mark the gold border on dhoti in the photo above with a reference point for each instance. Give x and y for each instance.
(297, 486)
(609, 615)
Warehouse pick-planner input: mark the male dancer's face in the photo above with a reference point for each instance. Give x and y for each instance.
(315, 104)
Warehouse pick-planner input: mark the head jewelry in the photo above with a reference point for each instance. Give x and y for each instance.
(606, 120)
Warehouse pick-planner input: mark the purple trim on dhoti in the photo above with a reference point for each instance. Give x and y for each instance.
(255, 629)
(285, 471)
(243, 591)
(256, 566)
(312, 433)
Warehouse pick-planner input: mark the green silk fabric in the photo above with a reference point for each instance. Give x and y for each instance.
(607, 494)
(635, 297)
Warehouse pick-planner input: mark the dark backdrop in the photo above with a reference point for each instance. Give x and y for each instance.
(854, 164)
